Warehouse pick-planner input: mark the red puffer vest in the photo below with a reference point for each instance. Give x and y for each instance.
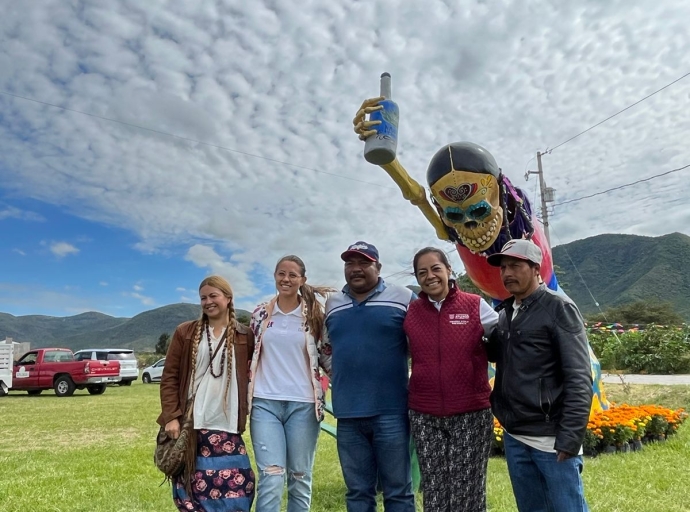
(449, 363)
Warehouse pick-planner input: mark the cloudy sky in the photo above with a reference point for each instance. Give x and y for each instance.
(261, 160)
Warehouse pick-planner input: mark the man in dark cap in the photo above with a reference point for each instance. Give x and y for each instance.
(365, 351)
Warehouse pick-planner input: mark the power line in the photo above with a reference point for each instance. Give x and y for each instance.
(402, 273)
(407, 269)
(534, 194)
(527, 164)
(619, 112)
(410, 267)
(622, 186)
(596, 302)
(188, 139)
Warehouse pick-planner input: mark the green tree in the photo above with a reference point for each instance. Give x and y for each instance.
(162, 345)
(244, 318)
(640, 312)
(560, 275)
(466, 285)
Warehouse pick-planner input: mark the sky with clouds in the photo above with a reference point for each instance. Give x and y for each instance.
(101, 215)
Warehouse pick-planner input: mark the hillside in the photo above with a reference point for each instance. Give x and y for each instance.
(48, 330)
(620, 269)
(89, 330)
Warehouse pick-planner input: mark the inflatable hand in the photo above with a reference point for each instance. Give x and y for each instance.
(362, 125)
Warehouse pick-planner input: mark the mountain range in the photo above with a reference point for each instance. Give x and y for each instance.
(94, 330)
(610, 270)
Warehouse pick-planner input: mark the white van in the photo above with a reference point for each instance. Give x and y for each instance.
(6, 368)
(129, 369)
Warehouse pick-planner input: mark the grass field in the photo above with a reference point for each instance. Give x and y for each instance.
(93, 453)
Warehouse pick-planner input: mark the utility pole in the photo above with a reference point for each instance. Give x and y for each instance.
(542, 189)
(547, 195)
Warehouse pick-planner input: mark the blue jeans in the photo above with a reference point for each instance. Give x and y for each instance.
(376, 449)
(540, 483)
(284, 436)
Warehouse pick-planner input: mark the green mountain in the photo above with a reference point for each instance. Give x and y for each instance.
(615, 269)
(49, 330)
(94, 330)
(620, 269)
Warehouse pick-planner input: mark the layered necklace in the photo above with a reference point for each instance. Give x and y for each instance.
(214, 353)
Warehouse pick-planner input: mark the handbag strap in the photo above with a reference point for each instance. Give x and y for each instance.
(190, 407)
(221, 342)
(190, 401)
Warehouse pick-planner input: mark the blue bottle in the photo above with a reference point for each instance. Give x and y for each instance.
(380, 149)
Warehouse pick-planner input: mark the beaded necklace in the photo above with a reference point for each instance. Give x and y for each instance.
(214, 353)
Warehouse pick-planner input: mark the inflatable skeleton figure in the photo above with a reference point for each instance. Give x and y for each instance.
(475, 206)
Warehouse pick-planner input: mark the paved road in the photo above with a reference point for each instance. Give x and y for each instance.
(647, 379)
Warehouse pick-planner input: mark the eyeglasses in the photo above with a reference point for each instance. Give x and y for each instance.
(292, 276)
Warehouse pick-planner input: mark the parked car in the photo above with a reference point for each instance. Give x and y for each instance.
(129, 371)
(153, 373)
(5, 368)
(55, 368)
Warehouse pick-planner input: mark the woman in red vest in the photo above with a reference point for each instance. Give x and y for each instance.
(450, 414)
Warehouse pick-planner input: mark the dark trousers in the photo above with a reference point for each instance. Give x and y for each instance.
(453, 454)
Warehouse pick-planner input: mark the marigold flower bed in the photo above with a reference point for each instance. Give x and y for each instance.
(620, 428)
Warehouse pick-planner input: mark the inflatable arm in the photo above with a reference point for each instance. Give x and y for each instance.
(411, 190)
(475, 206)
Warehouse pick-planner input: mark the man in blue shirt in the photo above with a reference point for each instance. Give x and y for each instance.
(365, 351)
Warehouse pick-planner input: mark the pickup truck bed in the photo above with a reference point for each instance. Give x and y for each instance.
(55, 368)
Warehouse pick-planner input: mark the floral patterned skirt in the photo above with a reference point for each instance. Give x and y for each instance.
(223, 480)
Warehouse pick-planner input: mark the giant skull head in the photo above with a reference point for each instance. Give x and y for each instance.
(464, 180)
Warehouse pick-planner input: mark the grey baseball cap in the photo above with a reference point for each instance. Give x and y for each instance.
(517, 248)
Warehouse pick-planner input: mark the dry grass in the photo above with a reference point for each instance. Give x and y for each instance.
(674, 397)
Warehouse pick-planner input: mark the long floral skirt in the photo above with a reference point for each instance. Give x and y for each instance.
(223, 481)
(453, 454)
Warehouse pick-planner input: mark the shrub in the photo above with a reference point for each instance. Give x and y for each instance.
(592, 441)
(659, 350)
(608, 349)
(145, 359)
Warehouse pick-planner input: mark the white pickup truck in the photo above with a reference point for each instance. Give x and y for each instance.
(6, 368)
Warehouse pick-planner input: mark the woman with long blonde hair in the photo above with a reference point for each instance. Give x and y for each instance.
(206, 368)
(286, 397)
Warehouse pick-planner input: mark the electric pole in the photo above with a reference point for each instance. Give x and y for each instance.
(547, 195)
(542, 189)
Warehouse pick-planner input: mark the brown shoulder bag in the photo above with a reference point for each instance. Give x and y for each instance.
(169, 455)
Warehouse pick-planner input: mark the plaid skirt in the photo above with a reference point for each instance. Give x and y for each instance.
(223, 480)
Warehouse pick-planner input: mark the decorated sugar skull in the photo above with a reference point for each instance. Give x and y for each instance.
(476, 207)
(464, 180)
